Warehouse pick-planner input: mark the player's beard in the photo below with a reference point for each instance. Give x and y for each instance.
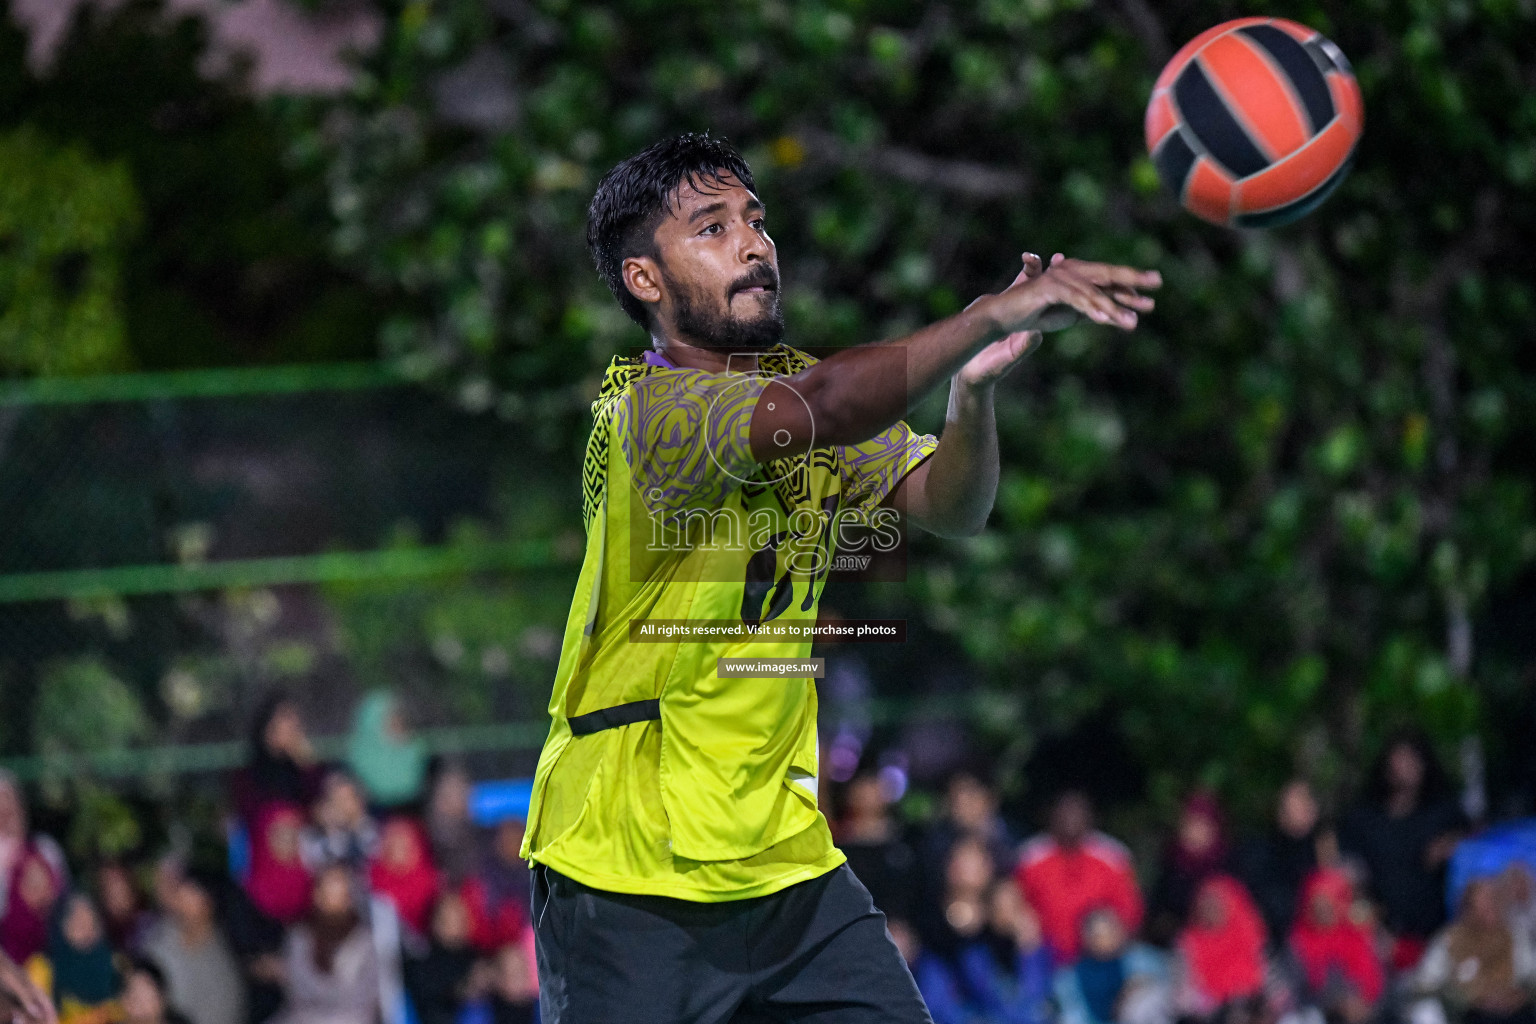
(707, 325)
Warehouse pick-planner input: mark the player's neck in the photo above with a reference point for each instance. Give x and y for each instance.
(696, 357)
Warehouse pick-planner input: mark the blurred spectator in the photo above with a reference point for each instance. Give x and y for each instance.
(203, 980)
(455, 839)
(514, 996)
(439, 979)
(341, 831)
(1200, 849)
(1115, 981)
(1073, 869)
(1008, 972)
(1404, 832)
(78, 965)
(1340, 973)
(144, 999)
(257, 942)
(970, 811)
(121, 906)
(498, 895)
(938, 984)
(389, 763)
(170, 869)
(1275, 866)
(1221, 953)
(1480, 965)
(868, 834)
(986, 957)
(32, 875)
(403, 873)
(282, 767)
(330, 967)
(959, 915)
(1517, 895)
(279, 882)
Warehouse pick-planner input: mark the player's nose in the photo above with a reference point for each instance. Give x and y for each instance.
(754, 247)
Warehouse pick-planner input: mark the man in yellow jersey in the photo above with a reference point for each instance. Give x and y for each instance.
(683, 872)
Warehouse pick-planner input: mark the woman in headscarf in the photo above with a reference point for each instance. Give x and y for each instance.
(1275, 865)
(122, 908)
(514, 987)
(279, 884)
(202, 978)
(32, 875)
(1340, 972)
(1517, 894)
(330, 965)
(1008, 970)
(387, 760)
(992, 962)
(498, 895)
(454, 836)
(1114, 980)
(438, 978)
(341, 831)
(1222, 952)
(1481, 965)
(403, 873)
(79, 964)
(145, 998)
(1405, 831)
(282, 768)
(1199, 850)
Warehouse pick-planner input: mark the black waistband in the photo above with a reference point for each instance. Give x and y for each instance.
(612, 718)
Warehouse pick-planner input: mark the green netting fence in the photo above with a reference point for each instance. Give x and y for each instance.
(138, 510)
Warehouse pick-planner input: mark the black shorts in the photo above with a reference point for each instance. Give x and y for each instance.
(814, 953)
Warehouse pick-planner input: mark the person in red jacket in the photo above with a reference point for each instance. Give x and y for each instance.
(1072, 870)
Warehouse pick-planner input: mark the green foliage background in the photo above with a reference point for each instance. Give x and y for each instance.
(1271, 514)
(1263, 530)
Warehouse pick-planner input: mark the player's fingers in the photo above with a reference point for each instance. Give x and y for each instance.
(1033, 267)
(1132, 299)
(1115, 313)
(1092, 302)
(1018, 346)
(1109, 274)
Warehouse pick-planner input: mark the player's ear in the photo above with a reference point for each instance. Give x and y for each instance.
(643, 278)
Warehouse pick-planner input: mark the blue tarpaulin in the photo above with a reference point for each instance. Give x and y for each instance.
(1490, 853)
(493, 802)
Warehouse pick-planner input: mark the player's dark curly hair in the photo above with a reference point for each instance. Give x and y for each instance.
(633, 197)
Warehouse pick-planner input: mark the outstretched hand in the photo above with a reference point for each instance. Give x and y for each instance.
(994, 362)
(21, 1001)
(1068, 290)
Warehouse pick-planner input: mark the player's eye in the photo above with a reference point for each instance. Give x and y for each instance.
(712, 229)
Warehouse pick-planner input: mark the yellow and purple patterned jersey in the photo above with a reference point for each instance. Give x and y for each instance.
(658, 775)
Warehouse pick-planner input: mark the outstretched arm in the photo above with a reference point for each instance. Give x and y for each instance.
(952, 492)
(20, 1000)
(854, 394)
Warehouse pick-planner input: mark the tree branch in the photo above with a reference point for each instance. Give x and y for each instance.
(1147, 28)
(962, 177)
(1424, 304)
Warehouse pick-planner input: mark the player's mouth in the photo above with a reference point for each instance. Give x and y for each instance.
(760, 283)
